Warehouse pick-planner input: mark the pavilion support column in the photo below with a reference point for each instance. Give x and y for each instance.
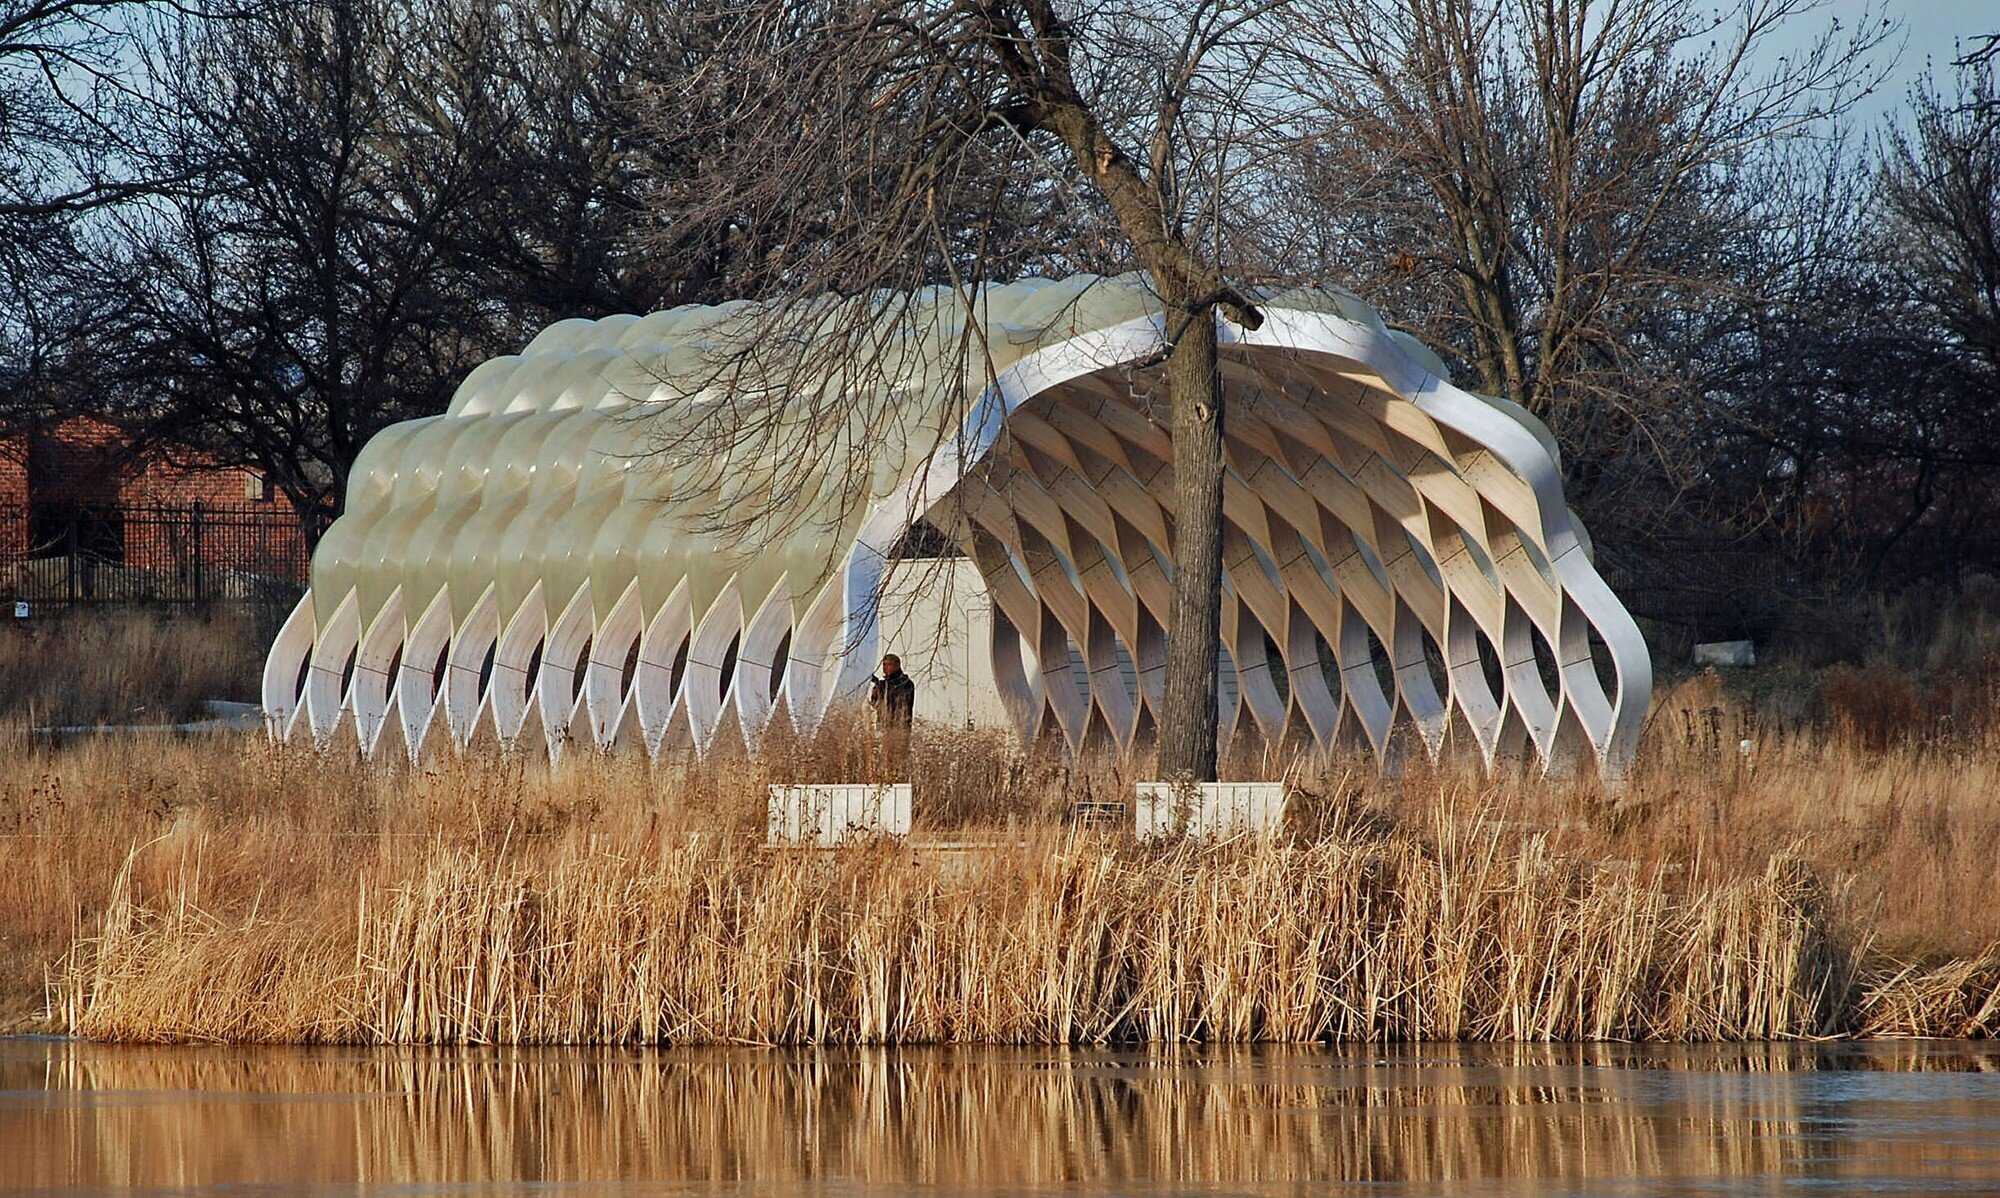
(1194, 392)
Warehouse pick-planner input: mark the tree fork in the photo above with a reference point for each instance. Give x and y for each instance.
(1194, 395)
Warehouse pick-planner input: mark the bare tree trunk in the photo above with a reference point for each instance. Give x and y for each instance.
(1187, 721)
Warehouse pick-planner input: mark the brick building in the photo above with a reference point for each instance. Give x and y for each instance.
(79, 490)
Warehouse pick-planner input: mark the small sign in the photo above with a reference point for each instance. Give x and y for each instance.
(20, 609)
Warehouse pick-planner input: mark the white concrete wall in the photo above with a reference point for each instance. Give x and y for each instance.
(1210, 811)
(832, 815)
(950, 659)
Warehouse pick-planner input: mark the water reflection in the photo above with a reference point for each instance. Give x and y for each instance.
(1915, 1117)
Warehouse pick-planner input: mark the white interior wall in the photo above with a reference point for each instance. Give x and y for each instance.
(950, 659)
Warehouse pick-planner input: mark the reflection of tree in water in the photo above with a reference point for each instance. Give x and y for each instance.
(982, 1117)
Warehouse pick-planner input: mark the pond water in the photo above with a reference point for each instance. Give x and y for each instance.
(1905, 1118)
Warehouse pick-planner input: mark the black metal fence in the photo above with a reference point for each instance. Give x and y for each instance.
(63, 556)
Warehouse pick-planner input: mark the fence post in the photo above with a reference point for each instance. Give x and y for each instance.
(194, 536)
(69, 556)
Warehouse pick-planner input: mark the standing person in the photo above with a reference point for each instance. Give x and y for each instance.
(893, 695)
(894, 698)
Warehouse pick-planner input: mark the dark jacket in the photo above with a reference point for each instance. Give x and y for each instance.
(894, 699)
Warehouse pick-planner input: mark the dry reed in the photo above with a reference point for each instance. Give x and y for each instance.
(490, 901)
(125, 666)
(1069, 939)
(1758, 878)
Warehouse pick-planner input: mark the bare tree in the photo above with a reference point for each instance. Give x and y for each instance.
(371, 197)
(1849, 435)
(1941, 184)
(558, 233)
(303, 295)
(1914, 433)
(1560, 192)
(855, 149)
(68, 115)
(64, 103)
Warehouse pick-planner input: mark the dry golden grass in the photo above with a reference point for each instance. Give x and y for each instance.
(1068, 941)
(1814, 881)
(216, 888)
(126, 667)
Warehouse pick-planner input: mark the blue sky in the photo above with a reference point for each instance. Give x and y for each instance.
(1930, 30)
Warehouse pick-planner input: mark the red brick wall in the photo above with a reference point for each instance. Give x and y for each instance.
(13, 497)
(164, 484)
(236, 531)
(76, 462)
(82, 461)
(253, 538)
